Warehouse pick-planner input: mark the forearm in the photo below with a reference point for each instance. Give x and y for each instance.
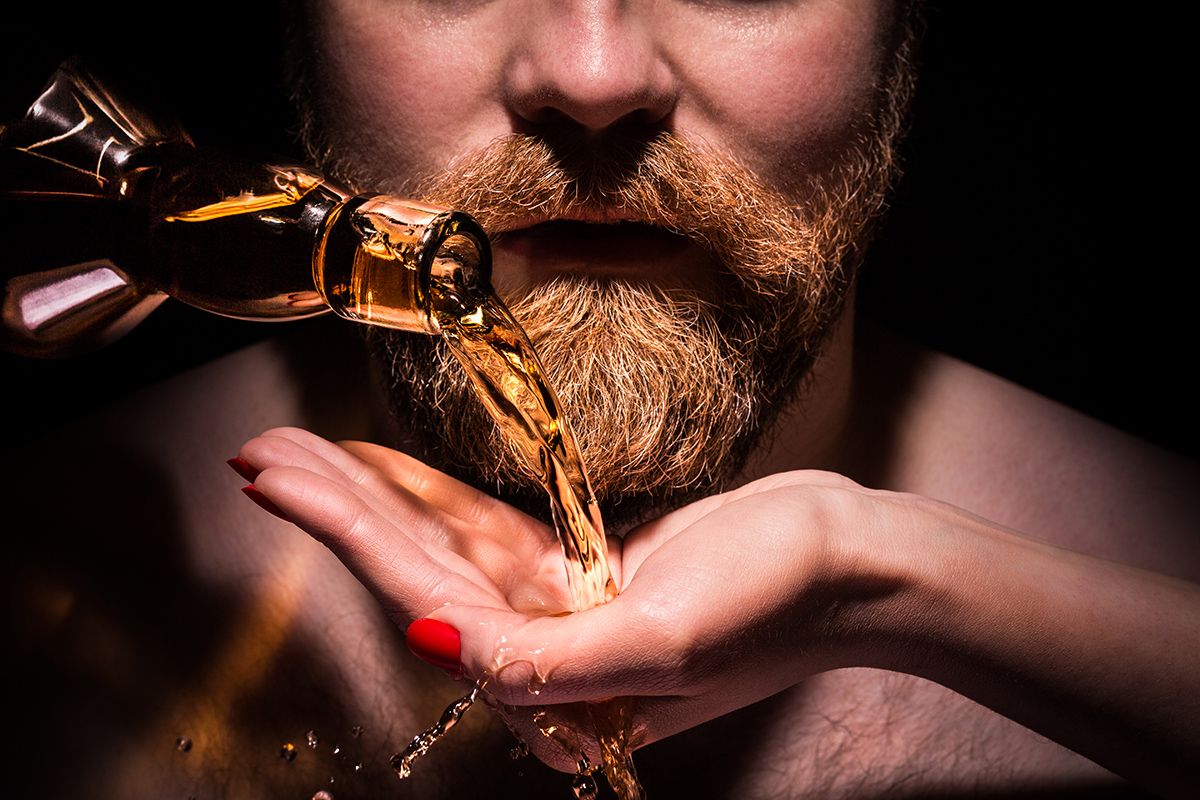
(1102, 658)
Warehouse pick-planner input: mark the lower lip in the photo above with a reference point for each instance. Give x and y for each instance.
(625, 249)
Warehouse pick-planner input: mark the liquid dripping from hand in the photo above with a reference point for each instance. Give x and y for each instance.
(508, 378)
(402, 761)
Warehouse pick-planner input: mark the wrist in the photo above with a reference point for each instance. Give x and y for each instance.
(896, 583)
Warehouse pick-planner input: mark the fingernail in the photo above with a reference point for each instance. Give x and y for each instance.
(243, 468)
(263, 503)
(435, 642)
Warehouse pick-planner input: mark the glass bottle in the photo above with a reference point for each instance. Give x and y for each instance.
(105, 210)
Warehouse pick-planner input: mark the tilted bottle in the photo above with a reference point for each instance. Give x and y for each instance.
(106, 210)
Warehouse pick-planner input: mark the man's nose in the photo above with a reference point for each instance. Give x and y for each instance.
(594, 61)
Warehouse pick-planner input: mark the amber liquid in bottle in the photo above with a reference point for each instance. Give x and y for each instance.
(106, 210)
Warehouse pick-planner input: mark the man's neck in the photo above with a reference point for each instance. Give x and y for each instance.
(812, 432)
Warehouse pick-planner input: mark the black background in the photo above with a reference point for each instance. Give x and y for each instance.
(1041, 231)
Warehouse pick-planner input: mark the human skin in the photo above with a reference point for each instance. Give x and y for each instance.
(403, 89)
(951, 433)
(256, 633)
(736, 597)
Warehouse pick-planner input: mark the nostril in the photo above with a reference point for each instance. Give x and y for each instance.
(594, 64)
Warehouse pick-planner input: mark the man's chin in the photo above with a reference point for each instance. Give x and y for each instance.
(664, 403)
(421, 433)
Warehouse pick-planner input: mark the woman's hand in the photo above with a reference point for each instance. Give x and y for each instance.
(722, 603)
(737, 596)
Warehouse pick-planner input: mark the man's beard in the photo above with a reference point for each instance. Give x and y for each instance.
(668, 389)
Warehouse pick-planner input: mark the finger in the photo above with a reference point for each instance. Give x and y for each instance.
(480, 513)
(406, 575)
(517, 553)
(260, 453)
(452, 496)
(295, 447)
(424, 499)
(513, 553)
(519, 659)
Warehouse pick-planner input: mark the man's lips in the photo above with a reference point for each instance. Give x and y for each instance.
(613, 248)
(563, 232)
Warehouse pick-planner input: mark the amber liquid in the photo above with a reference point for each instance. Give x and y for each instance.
(510, 381)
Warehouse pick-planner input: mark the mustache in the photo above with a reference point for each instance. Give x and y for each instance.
(708, 197)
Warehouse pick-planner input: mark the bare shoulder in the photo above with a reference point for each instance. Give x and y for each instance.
(311, 375)
(945, 429)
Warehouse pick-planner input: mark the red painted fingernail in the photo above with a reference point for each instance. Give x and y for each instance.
(243, 468)
(263, 503)
(435, 642)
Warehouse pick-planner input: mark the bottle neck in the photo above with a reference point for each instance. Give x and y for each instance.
(108, 198)
(400, 263)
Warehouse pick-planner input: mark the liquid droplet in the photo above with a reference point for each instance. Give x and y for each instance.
(584, 786)
(288, 752)
(519, 751)
(312, 739)
(183, 744)
(356, 731)
(542, 720)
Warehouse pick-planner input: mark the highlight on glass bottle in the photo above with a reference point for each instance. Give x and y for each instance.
(107, 209)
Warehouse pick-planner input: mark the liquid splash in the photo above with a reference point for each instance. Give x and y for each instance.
(509, 380)
(402, 762)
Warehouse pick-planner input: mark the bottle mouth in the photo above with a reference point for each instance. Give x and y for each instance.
(460, 271)
(458, 261)
(402, 264)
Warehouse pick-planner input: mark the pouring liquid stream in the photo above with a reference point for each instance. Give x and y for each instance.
(508, 378)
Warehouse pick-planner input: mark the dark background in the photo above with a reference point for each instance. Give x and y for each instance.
(1039, 231)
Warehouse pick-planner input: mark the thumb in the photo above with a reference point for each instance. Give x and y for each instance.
(589, 655)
